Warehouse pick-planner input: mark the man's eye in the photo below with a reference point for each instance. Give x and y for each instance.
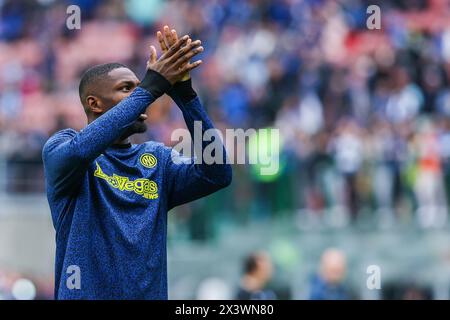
(126, 89)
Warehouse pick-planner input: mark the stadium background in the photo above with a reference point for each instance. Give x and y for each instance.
(364, 117)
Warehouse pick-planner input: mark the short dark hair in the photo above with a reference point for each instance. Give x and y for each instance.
(92, 75)
(251, 263)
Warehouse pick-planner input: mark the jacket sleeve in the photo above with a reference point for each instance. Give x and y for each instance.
(186, 179)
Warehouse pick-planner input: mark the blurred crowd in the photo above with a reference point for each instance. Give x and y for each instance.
(364, 115)
(17, 286)
(329, 280)
(260, 280)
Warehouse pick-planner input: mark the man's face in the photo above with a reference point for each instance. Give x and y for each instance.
(119, 84)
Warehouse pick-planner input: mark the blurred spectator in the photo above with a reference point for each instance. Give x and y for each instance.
(258, 270)
(406, 290)
(329, 283)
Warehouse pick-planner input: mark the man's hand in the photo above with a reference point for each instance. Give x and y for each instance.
(174, 63)
(169, 39)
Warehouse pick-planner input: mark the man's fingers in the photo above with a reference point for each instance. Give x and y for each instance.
(185, 58)
(153, 56)
(187, 55)
(184, 50)
(189, 66)
(174, 35)
(168, 36)
(176, 47)
(161, 41)
(187, 47)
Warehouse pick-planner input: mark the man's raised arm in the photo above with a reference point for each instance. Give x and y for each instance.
(187, 180)
(67, 154)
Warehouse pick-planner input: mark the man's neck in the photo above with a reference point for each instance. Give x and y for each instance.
(122, 141)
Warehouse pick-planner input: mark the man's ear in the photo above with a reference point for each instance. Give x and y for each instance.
(94, 104)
